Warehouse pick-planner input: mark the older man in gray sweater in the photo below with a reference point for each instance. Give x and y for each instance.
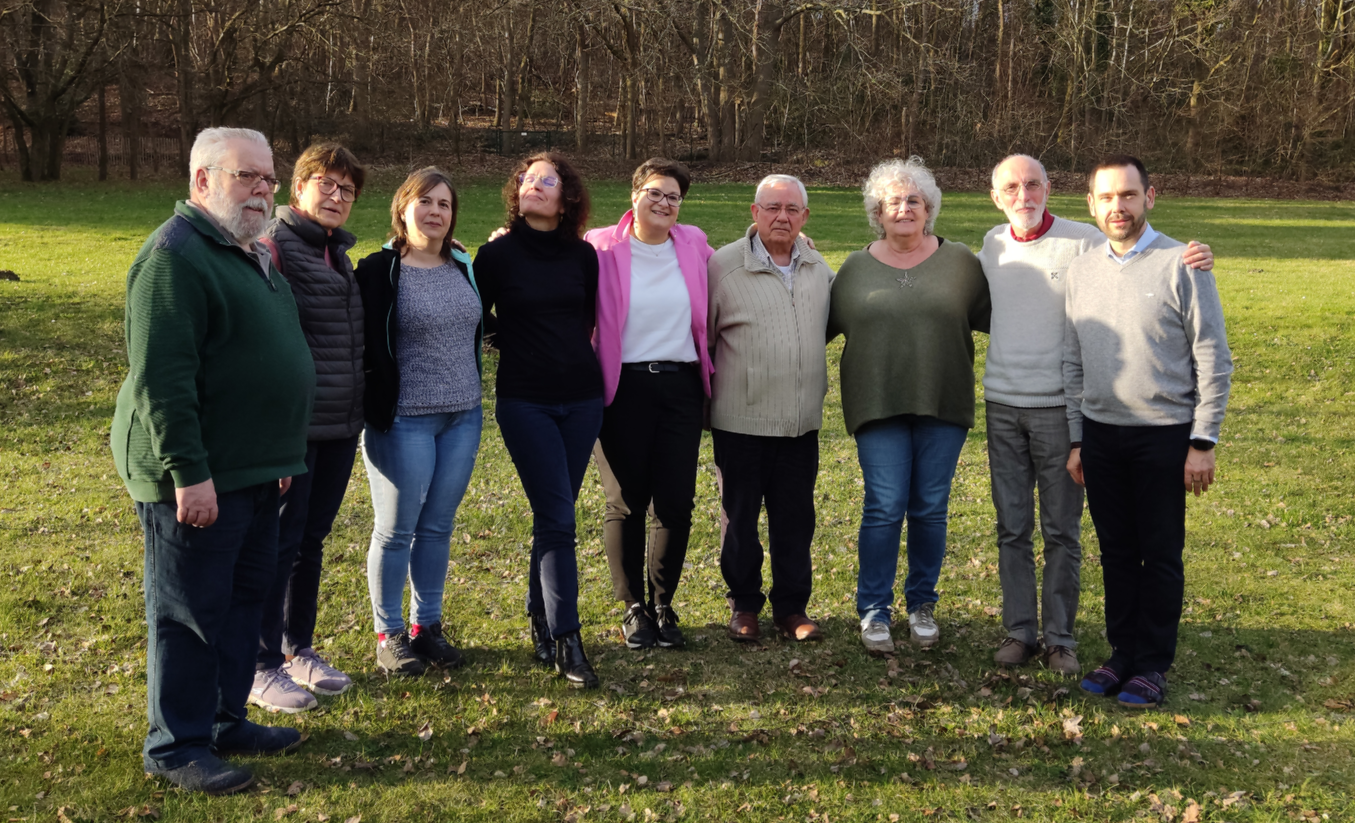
(1026, 262)
(767, 322)
(1147, 372)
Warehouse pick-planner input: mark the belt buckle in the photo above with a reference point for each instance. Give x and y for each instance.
(652, 368)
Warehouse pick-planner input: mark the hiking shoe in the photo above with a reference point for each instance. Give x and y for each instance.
(1061, 659)
(208, 774)
(875, 637)
(638, 628)
(670, 636)
(395, 656)
(922, 626)
(1012, 652)
(252, 739)
(274, 690)
(429, 643)
(308, 669)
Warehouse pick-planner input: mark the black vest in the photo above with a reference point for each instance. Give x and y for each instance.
(330, 307)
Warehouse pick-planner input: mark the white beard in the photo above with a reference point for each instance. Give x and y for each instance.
(243, 226)
(1027, 223)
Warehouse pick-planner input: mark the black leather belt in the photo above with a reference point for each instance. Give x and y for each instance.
(658, 366)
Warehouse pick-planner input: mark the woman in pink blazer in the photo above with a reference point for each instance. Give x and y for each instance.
(651, 344)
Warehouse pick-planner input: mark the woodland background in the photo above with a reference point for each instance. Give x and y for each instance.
(1214, 87)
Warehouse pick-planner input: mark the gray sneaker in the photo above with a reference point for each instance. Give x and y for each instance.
(274, 690)
(310, 670)
(922, 626)
(875, 637)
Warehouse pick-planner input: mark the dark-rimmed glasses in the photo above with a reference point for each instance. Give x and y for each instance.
(327, 185)
(658, 196)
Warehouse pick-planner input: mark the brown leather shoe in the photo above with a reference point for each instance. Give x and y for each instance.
(1061, 659)
(743, 627)
(798, 627)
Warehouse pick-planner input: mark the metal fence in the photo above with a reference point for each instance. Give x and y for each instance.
(154, 153)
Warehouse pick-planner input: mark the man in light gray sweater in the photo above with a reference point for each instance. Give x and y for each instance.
(1147, 372)
(767, 322)
(1026, 262)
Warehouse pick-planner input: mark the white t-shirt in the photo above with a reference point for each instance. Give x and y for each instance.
(659, 320)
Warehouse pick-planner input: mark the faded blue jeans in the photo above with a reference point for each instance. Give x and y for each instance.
(418, 471)
(907, 463)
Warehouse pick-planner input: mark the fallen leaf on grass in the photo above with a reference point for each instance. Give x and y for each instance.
(357, 818)
(296, 788)
(458, 769)
(285, 811)
(426, 731)
(1192, 813)
(1181, 720)
(349, 736)
(550, 718)
(1072, 728)
(559, 759)
(665, 786)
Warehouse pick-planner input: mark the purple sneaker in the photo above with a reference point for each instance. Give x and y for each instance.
(312, 671)
(274, 690)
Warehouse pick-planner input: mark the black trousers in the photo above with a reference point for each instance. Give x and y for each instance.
(1137, 498)
(781, 471)
(651, 436)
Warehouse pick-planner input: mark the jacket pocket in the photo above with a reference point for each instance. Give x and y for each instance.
(758, 380)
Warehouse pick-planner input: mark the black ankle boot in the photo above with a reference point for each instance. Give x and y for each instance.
(542, 644)
(571, 662)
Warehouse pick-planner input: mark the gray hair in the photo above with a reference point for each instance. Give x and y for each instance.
(891, 174)
(211, 146)
(1044, 175)
(774, 179)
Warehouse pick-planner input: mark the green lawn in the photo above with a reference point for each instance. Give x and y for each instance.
(1258, 726)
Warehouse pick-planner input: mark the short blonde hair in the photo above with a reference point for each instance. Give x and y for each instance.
(893, 174)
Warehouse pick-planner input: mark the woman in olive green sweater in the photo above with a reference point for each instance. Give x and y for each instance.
(908, 305)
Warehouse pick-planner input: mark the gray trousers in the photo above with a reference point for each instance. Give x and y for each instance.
(1029, 448)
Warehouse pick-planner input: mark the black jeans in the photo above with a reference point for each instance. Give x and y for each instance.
(204, 599)
(1137, 499)
(651, 435)
(550, 444)
(782, 471)
(307, 514)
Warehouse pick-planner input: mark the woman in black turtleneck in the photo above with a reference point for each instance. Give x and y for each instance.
(539, 281)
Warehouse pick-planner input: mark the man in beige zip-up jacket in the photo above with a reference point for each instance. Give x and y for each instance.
(768, 319)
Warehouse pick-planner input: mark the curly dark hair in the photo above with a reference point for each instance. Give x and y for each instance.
(573, 195)
(418, 184)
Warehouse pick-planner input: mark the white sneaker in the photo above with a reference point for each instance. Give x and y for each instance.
(922, 626)
(875, 636)
(276, 692)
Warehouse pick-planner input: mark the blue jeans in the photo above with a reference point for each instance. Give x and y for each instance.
(550, 444)
(907, 463)
(306, 517)
(205, 590)
(418, 471)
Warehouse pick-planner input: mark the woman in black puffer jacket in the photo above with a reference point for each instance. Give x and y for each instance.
(310, 249)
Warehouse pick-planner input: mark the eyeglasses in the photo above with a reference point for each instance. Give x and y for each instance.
(250, 178)
(658, 196)
(1013, 189)
(327, 185)
(911, 204)
(532, 179)
(776, 208)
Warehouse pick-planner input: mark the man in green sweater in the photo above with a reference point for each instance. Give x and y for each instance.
(210, 427)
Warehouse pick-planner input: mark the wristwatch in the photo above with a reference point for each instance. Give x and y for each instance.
(1200, 444)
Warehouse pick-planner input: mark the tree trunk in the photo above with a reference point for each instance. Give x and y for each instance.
(766, 39)
(183, 68)
(103, 133)
(728, 97)
(581, 85)
(521, 82)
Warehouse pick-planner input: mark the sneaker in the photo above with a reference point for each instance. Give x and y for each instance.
(274, 690)
(1144, 691)
(1061, 659)
(875, 637)
(922, 626)
(638, 628)
(394, 655)
(670, 636)
(429, 643)
(310, 670)
(1103, 682)
(1012, 652)
(208, 774)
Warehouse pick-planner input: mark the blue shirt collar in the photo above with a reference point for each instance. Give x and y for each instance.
(1149, 235)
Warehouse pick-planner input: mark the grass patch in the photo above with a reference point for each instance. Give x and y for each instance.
(1262, 690)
